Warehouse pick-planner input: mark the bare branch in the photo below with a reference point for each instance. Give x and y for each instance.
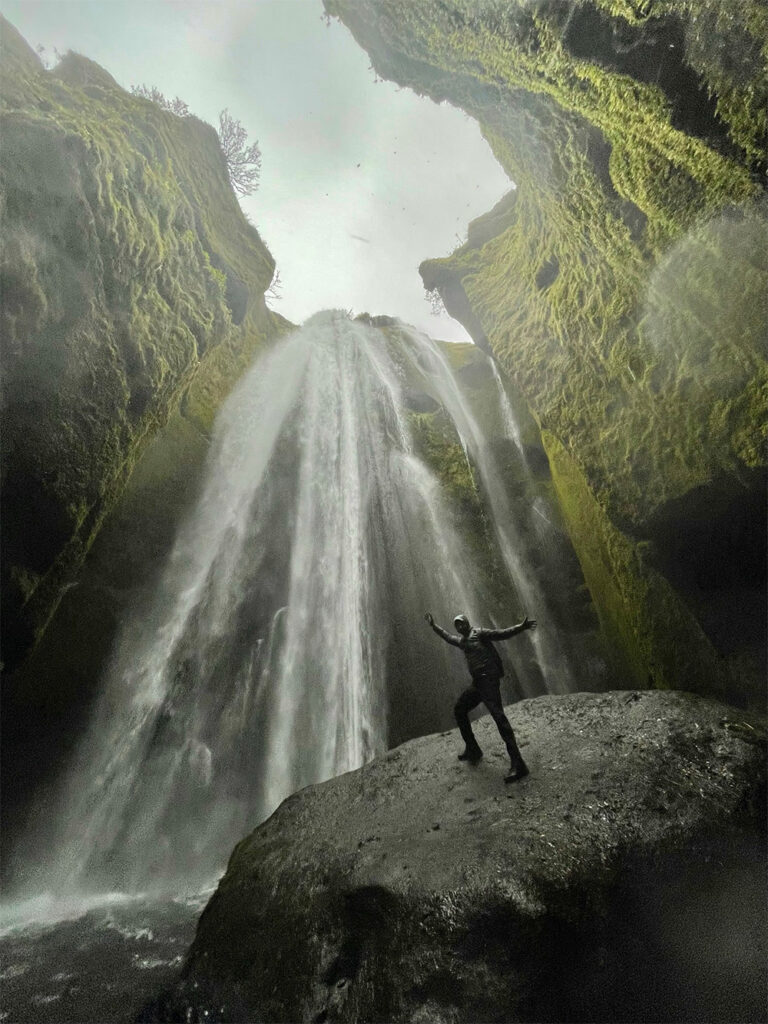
(175, 106)
(435, 299)
(273, 292)
(243, 160)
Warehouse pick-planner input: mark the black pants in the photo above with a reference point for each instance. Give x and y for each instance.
(486, 691)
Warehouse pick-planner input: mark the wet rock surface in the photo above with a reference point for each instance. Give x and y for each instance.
(623, 880)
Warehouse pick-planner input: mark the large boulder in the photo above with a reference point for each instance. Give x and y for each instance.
(623, 880)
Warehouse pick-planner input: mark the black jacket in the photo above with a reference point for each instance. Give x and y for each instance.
(483, 660)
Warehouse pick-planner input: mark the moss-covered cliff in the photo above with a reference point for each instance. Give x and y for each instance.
(132, 285)
(624, 287)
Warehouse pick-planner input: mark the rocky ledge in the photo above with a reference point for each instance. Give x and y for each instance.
(623, 880)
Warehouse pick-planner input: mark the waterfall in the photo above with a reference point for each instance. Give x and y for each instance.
(511, 426)
(286, 634)
(551, 658)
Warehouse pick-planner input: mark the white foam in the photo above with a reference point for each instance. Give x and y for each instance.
(45, 910)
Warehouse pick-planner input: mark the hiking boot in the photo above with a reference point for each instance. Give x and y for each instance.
(471, 754)
(517, 771)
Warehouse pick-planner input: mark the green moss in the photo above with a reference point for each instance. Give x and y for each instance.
(623, 285)
(750, 434)
(459, 355)
(24, 580)
(128, 270)
(435, 441)
(609, 191)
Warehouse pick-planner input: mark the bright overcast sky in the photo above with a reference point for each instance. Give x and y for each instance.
(360, 180)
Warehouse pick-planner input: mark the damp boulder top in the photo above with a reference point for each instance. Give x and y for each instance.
(418, 888)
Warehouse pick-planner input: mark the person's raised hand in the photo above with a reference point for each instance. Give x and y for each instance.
(529, 623)
(429, 618)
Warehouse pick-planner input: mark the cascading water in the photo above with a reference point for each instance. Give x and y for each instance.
(552, 661)
(286, 640)
(259, 665)
(511, 426)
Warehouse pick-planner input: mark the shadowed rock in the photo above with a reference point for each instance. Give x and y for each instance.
(624, 880)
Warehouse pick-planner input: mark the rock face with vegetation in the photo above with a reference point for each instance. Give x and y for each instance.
(132, 300)
(623, 286)
(623, 880)
(514, 456)
(133, 290)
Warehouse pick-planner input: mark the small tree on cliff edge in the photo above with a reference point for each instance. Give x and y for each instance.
(175, 106)
(243, 161)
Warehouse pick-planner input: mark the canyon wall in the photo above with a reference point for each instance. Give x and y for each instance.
(622, 286)
(132, 301)
(133, 289)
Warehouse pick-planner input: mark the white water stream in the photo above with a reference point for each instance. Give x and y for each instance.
(552, 660)
(289, 619)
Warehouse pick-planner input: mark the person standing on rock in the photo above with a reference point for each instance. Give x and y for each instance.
(486, 670)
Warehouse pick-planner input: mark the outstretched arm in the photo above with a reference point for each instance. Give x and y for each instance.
(448, 637)
(505, 634)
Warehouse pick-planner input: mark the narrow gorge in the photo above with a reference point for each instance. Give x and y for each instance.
(221, 532)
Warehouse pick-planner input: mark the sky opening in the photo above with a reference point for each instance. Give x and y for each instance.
(360, 180)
